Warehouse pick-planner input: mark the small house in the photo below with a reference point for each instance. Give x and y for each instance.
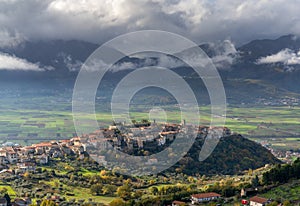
(258, 201)
(204, 197)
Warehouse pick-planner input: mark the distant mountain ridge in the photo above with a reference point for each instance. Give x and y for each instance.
(238, 67)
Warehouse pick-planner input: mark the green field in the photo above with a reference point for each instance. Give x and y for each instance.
(39, 119)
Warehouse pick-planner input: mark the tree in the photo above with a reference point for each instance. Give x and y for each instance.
(255, 181)
(124, 192)
(151, 182)
(191, 179)
(26, 175)
(273, 203)
(102, 173)
(192, 187)
(3, 191)
(96, 189)
(48, 203)
(228, 191)
(117, 202)
(109, 189)
(137, 194)
(154, 190)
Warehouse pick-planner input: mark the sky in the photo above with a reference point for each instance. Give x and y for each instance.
(98, 21)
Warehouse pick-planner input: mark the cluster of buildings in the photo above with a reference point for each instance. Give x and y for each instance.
(20, 159)
(141, 134)
(137, 136)
(288, 101)
(132, 137)
(286, 156)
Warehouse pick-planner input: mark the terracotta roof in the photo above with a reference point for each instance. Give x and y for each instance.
(206, 195)
(11, 152)
(258, 199)
(65, 140)
(43, 144)
(29, 147)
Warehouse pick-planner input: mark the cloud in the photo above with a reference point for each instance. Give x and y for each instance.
(8, 62)
(169, 62)
(285, 56)
(8, 39)
(199, 20)
(223, 56)
(71, 64)
(95, 65)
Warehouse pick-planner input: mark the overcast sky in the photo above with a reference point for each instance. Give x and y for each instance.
(99, 20)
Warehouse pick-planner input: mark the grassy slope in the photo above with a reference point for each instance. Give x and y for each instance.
(289, 191)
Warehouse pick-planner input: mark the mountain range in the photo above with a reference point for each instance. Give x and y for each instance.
(260, 70)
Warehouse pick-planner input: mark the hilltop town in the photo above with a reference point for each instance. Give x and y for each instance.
(141, 135)
(53, 171)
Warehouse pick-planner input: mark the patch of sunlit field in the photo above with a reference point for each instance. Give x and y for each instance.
(27, 124)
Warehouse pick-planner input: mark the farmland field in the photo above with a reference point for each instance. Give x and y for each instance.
(51, 118)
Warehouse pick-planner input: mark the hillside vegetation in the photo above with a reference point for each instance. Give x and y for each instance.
(232, 155)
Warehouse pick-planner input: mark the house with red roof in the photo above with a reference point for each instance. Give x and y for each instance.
(204, 197)
(10, 154)
(258, 201)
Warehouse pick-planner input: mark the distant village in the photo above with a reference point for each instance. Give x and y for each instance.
(285, 101)
(285, 156)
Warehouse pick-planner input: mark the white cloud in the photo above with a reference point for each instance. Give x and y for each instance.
(285, 56)
(70, 63)
(169, 62)
(8, 39)
(8, 62)
(224, 55)
(200, 20)
(95, 65)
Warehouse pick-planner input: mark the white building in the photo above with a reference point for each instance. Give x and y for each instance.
(258, 201)
(204, 197)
